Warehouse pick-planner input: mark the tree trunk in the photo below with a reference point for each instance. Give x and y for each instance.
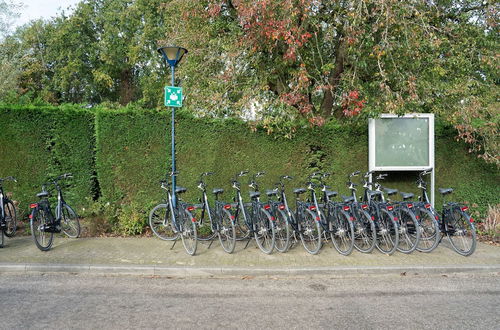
(333, 80)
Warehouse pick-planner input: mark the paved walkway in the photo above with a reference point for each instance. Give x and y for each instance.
(150, 256)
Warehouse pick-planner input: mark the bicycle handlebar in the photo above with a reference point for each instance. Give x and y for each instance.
(9, 178)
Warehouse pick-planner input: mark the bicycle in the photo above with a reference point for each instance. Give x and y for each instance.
(458, 225)
(8, 215)
(44, 224)
(253, 217)
(365, 234)
(221, 221)
(385, 223)
(279, 210)
(168, 222)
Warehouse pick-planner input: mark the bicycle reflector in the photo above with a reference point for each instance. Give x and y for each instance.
(346, 208)
(32, 206)
(396, 218)
(410, 205)
(312, 207)
(364, 206)
(351, 218)
(373, 218)
(272, 219)
(30, 216)
(471, 219)
(464, 208)
(427, 206)
(267, 207)
(318, 218)
(190, 208)
(282, 207)
(227, 206)
(390, 208)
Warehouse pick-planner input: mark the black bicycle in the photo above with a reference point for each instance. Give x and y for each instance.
(220, 219)
(169, 221)
(44, 224)
(282, 215)
(8, 216)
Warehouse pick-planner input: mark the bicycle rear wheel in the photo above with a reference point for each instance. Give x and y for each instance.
(461, 232)
(387, 233)
(10, 219)
(240, 225)
(429, 231)
(282, 242)
(39, 222)
(2, 238)
(226, 231)
(365, 235)
(409, 233)
(342, 233)
(310, 231)
(264, 231)
(70, 224)
(160, 222)
(188, 231)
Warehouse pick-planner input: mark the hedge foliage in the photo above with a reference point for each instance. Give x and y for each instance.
(119, 156)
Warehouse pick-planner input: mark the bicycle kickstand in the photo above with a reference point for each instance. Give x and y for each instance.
(175, 241)
(211, 242)
(248, 242)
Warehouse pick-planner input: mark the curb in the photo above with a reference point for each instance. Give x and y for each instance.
(210, 272)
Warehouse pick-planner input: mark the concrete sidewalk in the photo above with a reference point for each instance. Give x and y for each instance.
(151, 256)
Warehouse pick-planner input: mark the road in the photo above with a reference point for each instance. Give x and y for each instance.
(365, 302)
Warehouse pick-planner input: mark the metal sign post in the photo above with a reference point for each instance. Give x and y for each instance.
(402, 143)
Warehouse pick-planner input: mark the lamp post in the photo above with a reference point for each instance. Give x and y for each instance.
(173, 98)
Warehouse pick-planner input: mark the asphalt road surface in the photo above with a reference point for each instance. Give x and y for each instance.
(380, 302)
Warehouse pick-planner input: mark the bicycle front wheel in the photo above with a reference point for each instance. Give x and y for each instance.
(160, 222)
(429, 231)
(409, 233)
(310, 231)
(342, 233)
(240, 225)
(365, 234)
(226, 231)
(188, 231)
(461, 232)
(387, 233)
(70, 224)
(10, 219)
(38, 224)
(264, 231)
(282, 242)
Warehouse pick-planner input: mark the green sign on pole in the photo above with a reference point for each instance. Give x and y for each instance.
(173, 96)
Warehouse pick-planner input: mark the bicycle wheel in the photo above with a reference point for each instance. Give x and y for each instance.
(226, 231)
(240, 225)
(365, 235)
(310, 231)
(342, 233)
(204, 229)
(282, 242)
(188, 231)
(160, 223)
(429, 231)
(409, 233)
(264, 231)
(39, 221)
(461, 232)
(70, 224)
(2, 238)
(10, 219)
(387, 233)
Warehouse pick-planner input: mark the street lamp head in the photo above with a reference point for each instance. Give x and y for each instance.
(172, 54)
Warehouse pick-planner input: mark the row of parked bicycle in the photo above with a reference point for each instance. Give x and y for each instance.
(372, 221)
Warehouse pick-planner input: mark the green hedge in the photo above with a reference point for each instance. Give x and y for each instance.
(38, 143)
(132, 153)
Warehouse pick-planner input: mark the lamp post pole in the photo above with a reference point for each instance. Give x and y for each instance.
(174, 175)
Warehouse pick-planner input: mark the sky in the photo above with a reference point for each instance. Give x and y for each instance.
(34, 9)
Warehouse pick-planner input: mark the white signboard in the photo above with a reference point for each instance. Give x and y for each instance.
(402, 143)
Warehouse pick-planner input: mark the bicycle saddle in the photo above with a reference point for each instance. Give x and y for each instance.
(331, 193)
(218, 191)
(444, 191)
(273, 192)
(254, 194)
(299, 191)
(347, 199)
(390, 191)
(180, 190)
(406, 195)
(43, 194)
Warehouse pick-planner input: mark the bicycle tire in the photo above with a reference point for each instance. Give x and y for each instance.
(43, 240)
(161, 224)
(462, 232)
(10, 219)
(387, 233)
(409, 233)
(241, 227)
(430, 234)
(310, 232)
(342, 233)
(264, 233)
(226, 231)
(70, 225)
(188, 232)
(204, 230)
(365, 234)
(2, 238)
(282, 241)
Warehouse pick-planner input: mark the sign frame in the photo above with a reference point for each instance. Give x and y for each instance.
(431, 145)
